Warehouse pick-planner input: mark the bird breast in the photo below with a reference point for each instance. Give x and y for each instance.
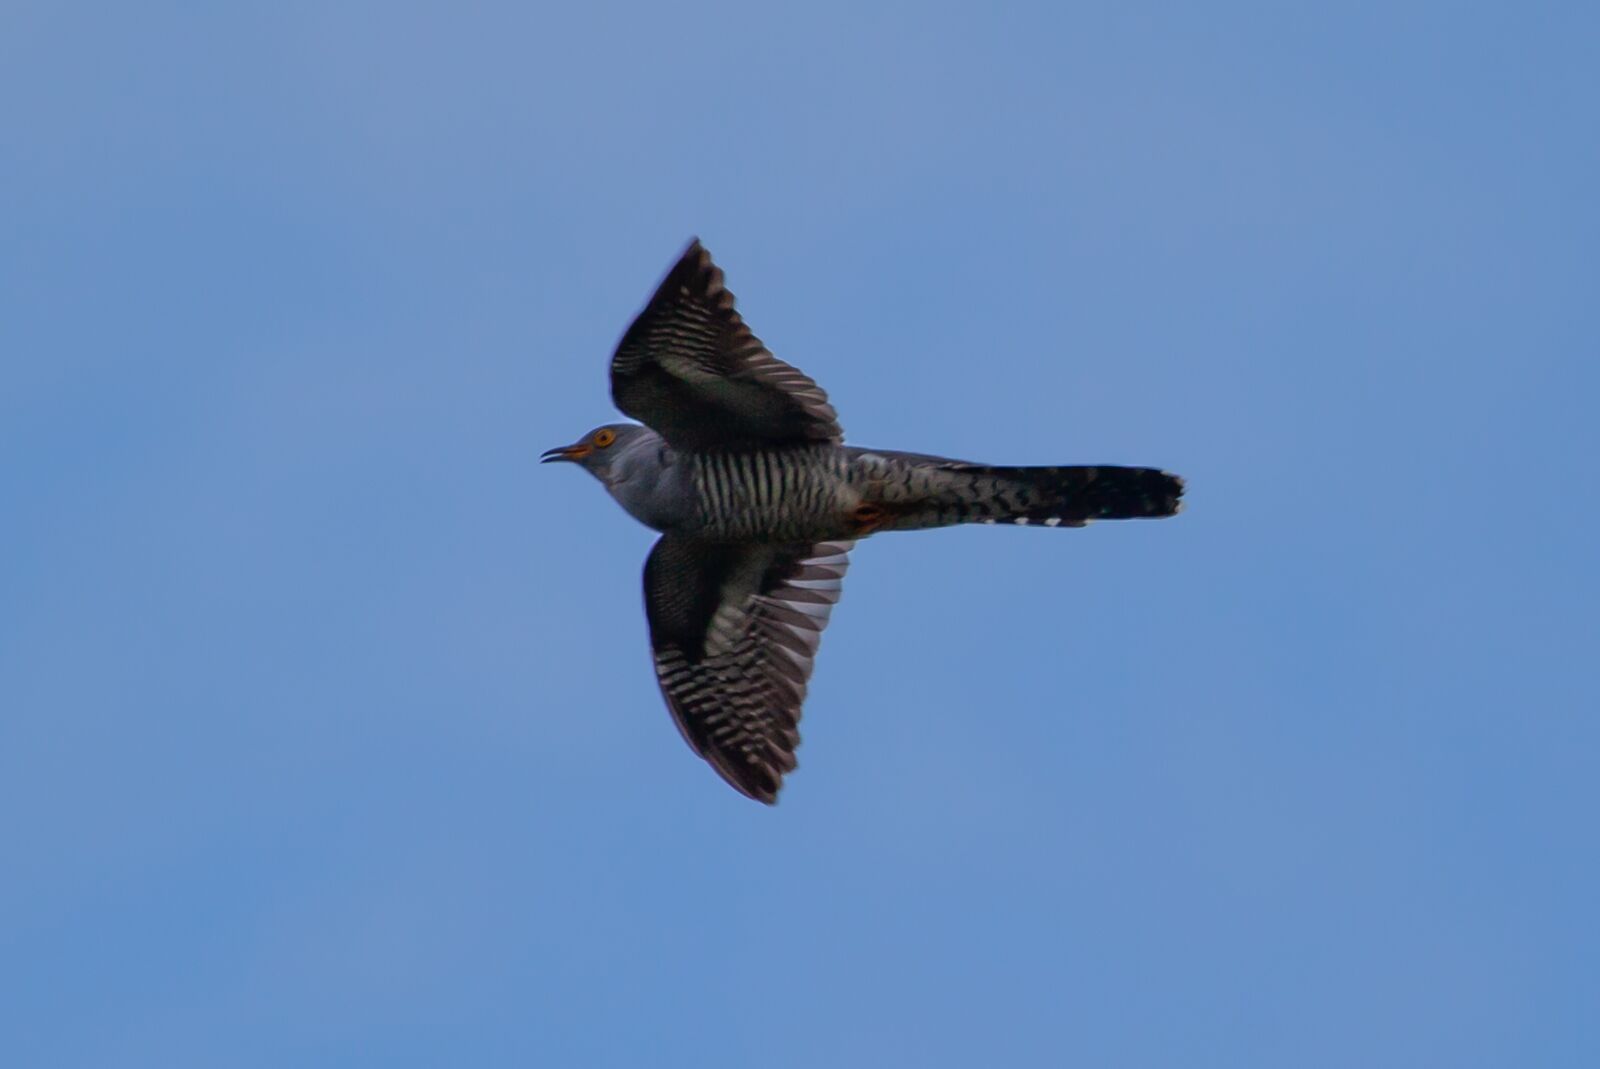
(796, 494)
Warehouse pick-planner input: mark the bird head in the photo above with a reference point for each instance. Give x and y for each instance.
(598, 451)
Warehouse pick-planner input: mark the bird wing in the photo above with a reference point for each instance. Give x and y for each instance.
(735, 629)
(690, 369)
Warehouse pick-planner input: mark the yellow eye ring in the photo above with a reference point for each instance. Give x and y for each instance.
(604, 438)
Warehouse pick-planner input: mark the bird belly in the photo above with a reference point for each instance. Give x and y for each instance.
(791, 495)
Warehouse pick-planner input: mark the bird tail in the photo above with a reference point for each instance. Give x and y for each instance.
(942, 494)
(1072, 496)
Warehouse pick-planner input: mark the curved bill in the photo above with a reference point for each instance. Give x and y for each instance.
(564, 452)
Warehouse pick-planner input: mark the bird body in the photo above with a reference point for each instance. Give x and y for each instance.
(821, 492)
(743, 469)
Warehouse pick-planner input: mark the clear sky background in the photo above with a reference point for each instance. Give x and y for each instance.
(328, 735)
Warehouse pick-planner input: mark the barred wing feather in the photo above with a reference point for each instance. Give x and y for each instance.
(689, 368)
(735, 631)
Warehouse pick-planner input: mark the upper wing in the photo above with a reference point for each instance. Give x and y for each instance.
(690, 369)
(735, 629)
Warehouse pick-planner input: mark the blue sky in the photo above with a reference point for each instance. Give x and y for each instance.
(327, 730)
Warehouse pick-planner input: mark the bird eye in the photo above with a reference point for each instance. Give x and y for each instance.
(604, 438)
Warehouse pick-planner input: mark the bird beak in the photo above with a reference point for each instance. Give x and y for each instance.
(565, 452)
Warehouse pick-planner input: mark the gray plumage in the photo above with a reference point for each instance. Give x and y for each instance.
(742, 468)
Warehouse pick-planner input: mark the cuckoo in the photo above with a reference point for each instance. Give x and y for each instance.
(741, 466)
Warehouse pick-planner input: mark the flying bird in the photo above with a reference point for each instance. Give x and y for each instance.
(742, 467)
